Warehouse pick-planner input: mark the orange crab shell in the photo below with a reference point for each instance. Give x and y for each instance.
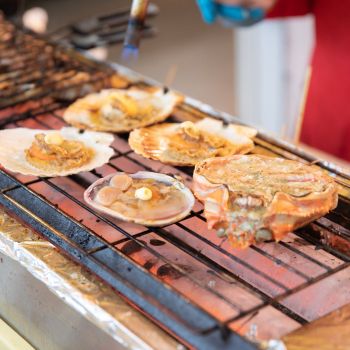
(283, 214)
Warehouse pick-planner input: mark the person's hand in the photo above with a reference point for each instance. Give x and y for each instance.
(241, 12)
(263, 4)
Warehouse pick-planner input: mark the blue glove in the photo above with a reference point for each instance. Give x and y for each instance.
(235, 15)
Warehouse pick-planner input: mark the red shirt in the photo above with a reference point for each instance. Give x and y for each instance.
(326, 123)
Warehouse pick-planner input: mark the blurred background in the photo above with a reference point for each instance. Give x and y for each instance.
(257, 74)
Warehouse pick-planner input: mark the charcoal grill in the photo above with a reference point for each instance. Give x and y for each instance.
(182, 276)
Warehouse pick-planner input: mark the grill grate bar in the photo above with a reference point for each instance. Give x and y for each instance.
(38, 75)
(11, 77)
(303, 233)
(296, 251)
(14, 118)
(17, 54)
(299, 288)
(123, 240)
(333, 227)
(282, 263)
(49, 89)
(236, 259)
(126, 239)
(32, 182)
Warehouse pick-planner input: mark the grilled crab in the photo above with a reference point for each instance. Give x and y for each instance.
(251, 198)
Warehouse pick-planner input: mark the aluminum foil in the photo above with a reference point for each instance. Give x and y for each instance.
(80, 289)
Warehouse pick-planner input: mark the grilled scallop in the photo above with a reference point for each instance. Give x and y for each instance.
(121, 110)
(188, 143)
(146, 198)
(53, 153)
(256, 198)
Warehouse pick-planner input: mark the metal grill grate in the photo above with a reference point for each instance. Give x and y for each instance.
(183, 276)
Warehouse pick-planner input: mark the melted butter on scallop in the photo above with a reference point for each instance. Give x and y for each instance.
(54, 138)
(143, 193)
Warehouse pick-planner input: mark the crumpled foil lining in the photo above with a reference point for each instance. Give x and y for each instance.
(81, 289)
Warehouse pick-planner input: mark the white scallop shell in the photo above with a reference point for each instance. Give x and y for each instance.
(90, 193)
(14, 142)
(78, 114)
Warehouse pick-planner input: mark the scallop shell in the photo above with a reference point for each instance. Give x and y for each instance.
(14, 142)
(89, 196)
(82, 113)
(159, 142)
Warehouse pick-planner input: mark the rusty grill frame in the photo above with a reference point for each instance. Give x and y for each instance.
(168, 307)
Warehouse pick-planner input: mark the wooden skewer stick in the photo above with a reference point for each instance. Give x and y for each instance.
(170, 77)
(302, 105)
